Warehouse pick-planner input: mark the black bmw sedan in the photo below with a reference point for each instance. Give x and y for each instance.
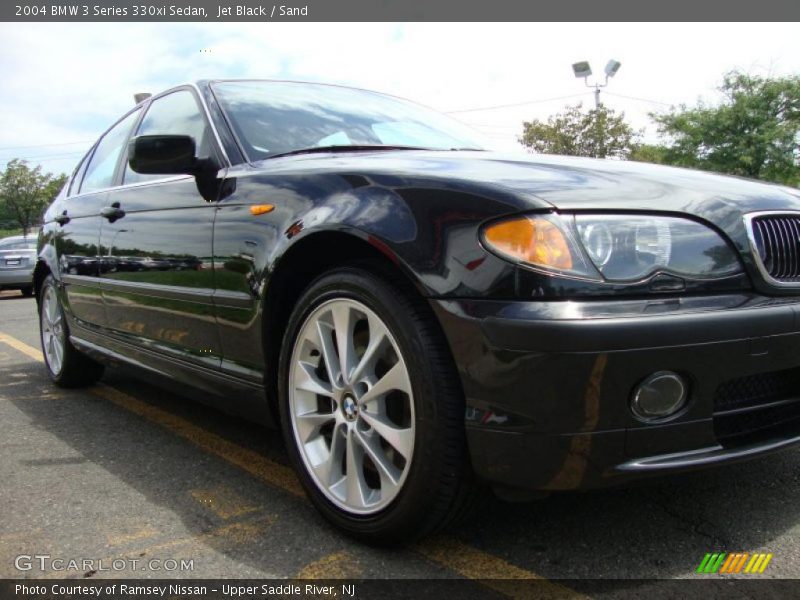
(423, 318)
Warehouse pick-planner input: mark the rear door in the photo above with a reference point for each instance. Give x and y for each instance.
(78, 230)
(158, 277)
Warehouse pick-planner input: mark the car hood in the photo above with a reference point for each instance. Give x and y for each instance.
(564, 182)
(569, 183)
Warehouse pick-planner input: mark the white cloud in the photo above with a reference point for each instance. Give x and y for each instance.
(67, 82)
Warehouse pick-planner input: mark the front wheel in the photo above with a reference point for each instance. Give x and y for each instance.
(371, 408)
(66, 365)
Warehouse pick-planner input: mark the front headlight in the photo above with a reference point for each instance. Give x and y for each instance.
(633, 247)
(615, 248)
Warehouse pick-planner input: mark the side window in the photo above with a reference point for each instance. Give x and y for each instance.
(75, 182)
(103, 163)
(174, 114)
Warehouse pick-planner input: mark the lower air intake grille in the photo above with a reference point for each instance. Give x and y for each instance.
(758, 406)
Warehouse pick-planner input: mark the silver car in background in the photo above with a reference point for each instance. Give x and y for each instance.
(17, 260)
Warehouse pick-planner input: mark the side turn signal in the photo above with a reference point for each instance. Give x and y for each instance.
(260, 209)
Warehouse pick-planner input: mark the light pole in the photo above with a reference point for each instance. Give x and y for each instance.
(583, 71)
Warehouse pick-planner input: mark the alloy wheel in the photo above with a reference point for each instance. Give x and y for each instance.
(52, 330)
(351, 406)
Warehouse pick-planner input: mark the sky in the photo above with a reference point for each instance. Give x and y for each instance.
(64, 84)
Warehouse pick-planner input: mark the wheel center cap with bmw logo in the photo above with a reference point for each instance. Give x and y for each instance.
(350, 408)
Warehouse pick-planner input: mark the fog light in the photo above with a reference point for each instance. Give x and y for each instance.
(659, 396)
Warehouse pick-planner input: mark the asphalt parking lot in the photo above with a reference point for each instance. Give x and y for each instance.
(130, 470)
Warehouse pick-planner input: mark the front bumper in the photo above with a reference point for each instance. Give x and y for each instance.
(548, 385)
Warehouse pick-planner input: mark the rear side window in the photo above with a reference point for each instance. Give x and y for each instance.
(103, 163)
(174, 114)
(75, 182)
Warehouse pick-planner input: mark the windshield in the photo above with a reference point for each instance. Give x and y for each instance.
(272, 118)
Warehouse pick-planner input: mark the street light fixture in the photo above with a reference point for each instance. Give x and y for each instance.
(583, 71)
(612, 67)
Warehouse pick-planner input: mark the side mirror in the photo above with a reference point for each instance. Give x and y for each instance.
(164, 155)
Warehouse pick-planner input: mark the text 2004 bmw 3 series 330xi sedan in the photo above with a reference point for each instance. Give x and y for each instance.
(424, 318)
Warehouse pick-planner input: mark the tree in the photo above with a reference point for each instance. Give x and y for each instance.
(599, 133)
(26, 192)
(54, 186)
(652, 153)
(754, 131)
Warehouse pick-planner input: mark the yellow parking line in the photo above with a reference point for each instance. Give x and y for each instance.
(339, 565)
(30, 351)
(457, 556)
(252, 462)
(492, 571)
(247, 460)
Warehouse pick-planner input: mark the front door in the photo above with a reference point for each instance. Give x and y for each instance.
(158, 277)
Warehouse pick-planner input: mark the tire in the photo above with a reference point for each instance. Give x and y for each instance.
(66, 366)
(28, 292)
(421, 479)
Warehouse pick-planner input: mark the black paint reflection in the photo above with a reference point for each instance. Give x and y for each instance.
(157, 267)
(76, 245)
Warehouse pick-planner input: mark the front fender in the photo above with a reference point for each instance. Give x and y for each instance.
(430, 233)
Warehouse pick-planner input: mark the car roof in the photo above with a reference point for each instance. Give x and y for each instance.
(203, 84)
(209, 82)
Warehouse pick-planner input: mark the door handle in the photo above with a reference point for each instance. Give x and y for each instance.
(113, 212)
(62, 219)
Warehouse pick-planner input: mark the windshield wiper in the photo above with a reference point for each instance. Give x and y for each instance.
(345, 148)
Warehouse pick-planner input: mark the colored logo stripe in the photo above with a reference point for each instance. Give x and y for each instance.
(758, 563)
(734, 562)
(711, 563)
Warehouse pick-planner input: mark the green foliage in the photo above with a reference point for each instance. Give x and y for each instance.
(54, 186)
(599, 133)
(651, 153)
(25, 193)
(4, 233)
(754, 132)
